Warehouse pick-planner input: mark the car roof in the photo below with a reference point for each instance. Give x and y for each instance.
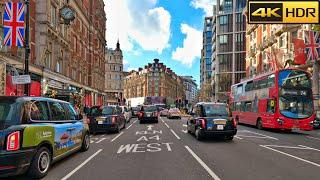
(30, 98)
(211, 103)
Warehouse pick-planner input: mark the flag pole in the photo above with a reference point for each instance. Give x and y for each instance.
(27, 48)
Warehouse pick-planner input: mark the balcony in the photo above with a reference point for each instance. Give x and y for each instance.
(279, 30)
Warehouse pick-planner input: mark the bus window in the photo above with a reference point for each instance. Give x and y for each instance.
(248, 106)
(271, 106)
(239, 89)
(249, 86)
(271, 80)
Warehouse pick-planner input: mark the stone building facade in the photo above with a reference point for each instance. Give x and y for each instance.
(114, 75)
(155, 79)
(68, 60)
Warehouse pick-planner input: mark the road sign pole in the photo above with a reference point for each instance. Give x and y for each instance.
(27, 48)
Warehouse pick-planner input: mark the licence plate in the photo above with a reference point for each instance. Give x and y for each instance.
(223, 122)
(148, 115)
(220, 127)
(100, 122)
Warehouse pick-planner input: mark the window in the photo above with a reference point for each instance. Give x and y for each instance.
(271, 106)
(53, 19)
(48, 59)
(223, 20)
(57, 111)
(58, 66)
(39, 111)
(248, 106)
(249, 86)
(281, 41)
(70, 112)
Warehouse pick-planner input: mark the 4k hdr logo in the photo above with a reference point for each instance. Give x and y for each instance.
(277, 12)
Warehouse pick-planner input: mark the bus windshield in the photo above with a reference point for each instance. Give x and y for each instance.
(296, 107)
(295, 93)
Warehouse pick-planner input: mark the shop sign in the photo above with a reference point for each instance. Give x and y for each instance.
(55, 84)
(22, 79)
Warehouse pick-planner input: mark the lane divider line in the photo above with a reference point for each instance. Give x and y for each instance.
(184, 131)
(237, 137)
(134, 121)
(313, 138)
(261, 135)
(211, 173)
(116, 137)
(295, 157)
(167, 125)
(81, 165)
(310, 148)
(129, 126)
(100, 140)
(174, 133)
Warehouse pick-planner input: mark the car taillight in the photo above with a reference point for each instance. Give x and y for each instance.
(203, 123)
(13, 141)
(113, 120)
(234, 122)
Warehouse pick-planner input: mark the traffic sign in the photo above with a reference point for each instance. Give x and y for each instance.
(22, 79)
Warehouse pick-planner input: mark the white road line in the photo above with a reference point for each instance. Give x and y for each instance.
(90, 135)
(295, 157)
(167, 125)
(253, 136)
(237, 137)
(261, 135)
(100, 140)
(102, 135)
(212, 174)
(129, 126)
(116, 137)
(310, 148)
(175, 134)
(184, 125)
(184, 131)
(81, 165)
(134, 121)
(313, 138)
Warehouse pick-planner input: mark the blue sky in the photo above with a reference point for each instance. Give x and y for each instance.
(170, 30)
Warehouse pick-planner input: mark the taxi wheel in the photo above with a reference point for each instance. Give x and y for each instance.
(40, 163)
(85, 143)
(197, 134)
(118, 129)
(229, 138)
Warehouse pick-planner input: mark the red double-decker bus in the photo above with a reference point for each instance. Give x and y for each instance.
(280, 100)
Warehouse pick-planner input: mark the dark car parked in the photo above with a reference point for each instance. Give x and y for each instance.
(148, 113)
(135, 111)
(106, 119)
(36, 132)
(212, 119)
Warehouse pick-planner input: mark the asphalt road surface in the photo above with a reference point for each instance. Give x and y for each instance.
(166, 151)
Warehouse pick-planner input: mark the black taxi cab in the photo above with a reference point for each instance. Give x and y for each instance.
(210, 119)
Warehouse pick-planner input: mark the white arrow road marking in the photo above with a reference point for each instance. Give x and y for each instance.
(212, 174)
(149, 127)
(81, 165)
(184, 125)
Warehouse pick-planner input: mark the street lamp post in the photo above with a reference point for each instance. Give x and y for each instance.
(27, 48)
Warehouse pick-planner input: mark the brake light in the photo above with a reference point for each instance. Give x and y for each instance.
(234, 122)
(203, 123)
(13, 141)
(140, 114)
(113, 120)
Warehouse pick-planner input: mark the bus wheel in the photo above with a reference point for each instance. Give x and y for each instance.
(259, 124)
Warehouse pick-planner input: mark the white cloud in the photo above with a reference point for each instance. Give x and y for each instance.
(192, 45)
(137, 22)
(205, 5)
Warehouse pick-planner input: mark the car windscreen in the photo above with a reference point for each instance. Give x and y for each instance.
(136, 108)
(107, 110)
(149, 108)
(8, 112)
(174, 110)
(215, 110)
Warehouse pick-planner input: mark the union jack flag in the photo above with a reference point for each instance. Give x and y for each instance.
(13, 24)
(312, 41)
